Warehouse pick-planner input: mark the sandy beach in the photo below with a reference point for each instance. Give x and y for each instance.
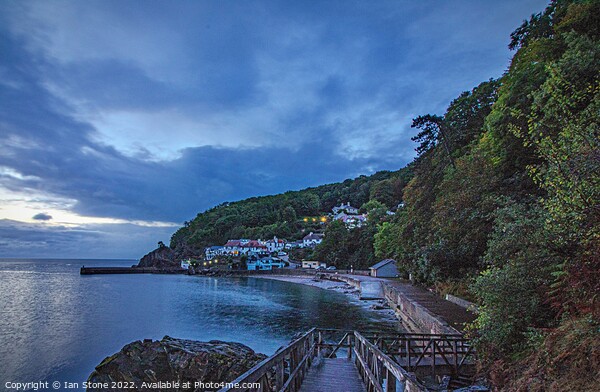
(315, 282)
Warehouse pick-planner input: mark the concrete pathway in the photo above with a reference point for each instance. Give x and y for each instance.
(456, 316)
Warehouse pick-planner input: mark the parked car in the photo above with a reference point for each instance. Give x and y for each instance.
(331, 268)
(320, 268)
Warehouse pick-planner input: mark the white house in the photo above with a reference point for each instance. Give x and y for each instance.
(185, 264)
(253, 246)
(351, 220)
(275, 245)
(344, 207)
(232, 247)
(213, 251)
(312, 240)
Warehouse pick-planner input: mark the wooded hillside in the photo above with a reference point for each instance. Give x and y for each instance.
(284, 215)
(504, 204)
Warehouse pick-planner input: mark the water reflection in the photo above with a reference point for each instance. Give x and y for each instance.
(57, 325)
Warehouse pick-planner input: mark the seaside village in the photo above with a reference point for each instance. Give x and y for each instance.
(258, 254)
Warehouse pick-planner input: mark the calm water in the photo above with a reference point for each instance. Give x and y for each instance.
(58, 325)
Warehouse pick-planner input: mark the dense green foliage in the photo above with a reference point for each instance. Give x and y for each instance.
(506, 187)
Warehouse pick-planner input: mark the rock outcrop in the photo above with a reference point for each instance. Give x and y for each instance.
(180, 361)
(162, 257)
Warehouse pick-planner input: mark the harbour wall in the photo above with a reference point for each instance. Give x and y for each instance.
(414, 317)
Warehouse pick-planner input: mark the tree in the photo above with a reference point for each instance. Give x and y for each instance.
(433, 132)
(386, 241)
(376, 211)
(512, 290)
(289, 215)
(564, 129)
(540, 25)
(334, 247)
(465, 116)
(384, 192)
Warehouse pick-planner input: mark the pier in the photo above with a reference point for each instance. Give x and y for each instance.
(128, 270)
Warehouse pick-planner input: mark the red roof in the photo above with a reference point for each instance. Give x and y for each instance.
(233, 243)
(253, 244)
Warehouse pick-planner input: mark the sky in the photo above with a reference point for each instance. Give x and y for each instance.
(120, 120)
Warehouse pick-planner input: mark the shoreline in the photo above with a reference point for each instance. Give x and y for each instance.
(312, 281)
(377, 307)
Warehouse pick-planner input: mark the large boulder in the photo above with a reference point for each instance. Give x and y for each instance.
(161, 257)
(177, 361)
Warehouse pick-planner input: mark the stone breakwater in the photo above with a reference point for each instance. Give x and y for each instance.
(147, 365)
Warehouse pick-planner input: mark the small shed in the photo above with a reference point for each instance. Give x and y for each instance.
(384, 269)
(313, 264)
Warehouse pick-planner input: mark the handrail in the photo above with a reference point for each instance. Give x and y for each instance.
(295, 355)
(378, 358)
(409, 351)
(379, 372)
(284, 371)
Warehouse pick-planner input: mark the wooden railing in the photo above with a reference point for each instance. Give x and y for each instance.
(384, 361)
(285, 370)
(379, 372)
(417, 350)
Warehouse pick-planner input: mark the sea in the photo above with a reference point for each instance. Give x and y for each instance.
(56, 325)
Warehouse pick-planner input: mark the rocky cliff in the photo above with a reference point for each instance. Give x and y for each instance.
(161, 257)
(173, 361)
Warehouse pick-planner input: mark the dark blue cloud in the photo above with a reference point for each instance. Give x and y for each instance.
(42, 217)
(315, 92)
(117, 84)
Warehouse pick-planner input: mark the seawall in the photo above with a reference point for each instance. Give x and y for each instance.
(414, 316)
(462, 303)
(127, 270)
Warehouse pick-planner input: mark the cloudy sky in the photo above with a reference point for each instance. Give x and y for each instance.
(119, 120)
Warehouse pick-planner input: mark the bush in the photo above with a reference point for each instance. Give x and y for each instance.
(511, 302)
(513, 290)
